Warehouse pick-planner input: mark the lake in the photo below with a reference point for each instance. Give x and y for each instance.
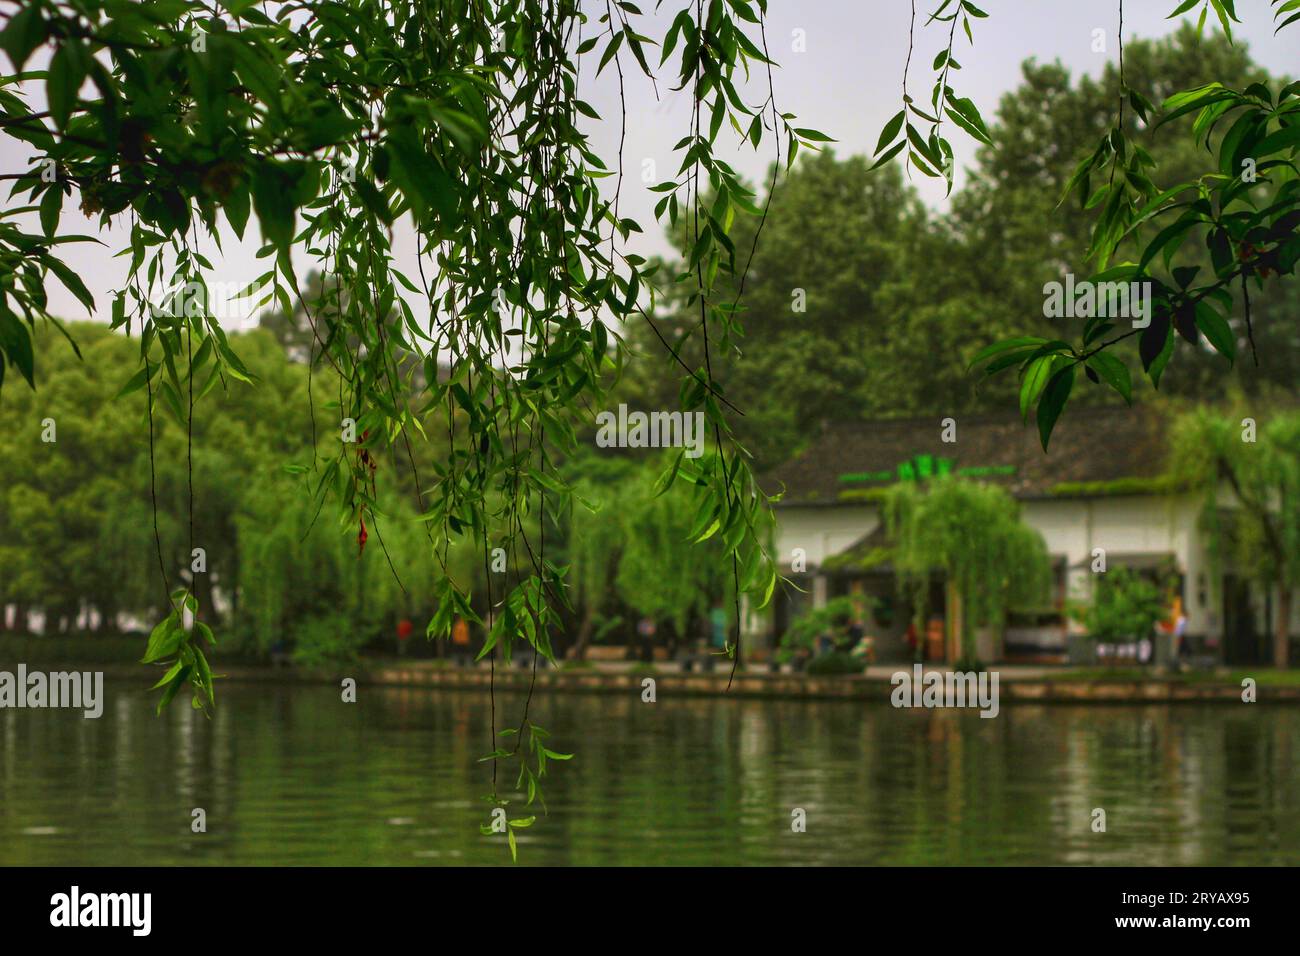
(292, 775)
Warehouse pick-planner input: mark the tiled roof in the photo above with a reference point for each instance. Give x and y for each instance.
(1089, 444)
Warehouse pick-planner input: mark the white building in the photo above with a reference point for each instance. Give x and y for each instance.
(1101, 490)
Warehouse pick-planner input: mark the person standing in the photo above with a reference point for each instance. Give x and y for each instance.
(460, 641)
(645, 630)
(1181, 639)
(718, 626)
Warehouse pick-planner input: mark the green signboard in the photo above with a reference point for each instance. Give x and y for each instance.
(921, 467)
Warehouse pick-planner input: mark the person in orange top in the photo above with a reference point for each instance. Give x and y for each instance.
(460, 640)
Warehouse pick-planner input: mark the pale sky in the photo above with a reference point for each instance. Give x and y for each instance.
(846, 83)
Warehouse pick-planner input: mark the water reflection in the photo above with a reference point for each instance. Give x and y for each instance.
(295, 776)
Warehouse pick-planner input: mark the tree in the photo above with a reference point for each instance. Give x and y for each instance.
(1125, 607)
(1256, 524)
(841, 323)
(822, 331)
(1244, 210)
(659, 575)
(1012, 203)
(332, 129)
(595, 538)
(971, 533)
(629, 545)
(88, 488)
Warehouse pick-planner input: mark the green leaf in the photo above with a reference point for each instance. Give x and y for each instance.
(611, 50)
(237, 207)
(890, 131)
(16, 343)
(273, 201)
(1005, 345)
(51, 209)
(813, 135)
(67, 71)
(171, 672)
(1288, 137)
(25, 31)
(136, 381)
(1216, 330)
(1034, 378)
(204, 674)
(1053, 402)
(420, 177)
(890, 154)
(73, 283)
(164, 641)
(1114, 372)
(172, 690)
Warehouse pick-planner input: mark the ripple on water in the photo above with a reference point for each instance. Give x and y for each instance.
(287, 775)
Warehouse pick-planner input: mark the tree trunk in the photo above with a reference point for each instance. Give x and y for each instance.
(1281, 626)
(578, 651)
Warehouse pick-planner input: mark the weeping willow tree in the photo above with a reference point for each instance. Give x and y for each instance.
(352, 131)
(595, 539)
(665, 571)
(631, 541)
(1249, 473)
(972, 535)
(303, 585)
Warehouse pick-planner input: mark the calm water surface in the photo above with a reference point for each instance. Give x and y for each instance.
(291, 775)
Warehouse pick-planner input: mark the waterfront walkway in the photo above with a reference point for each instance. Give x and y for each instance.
(1016, 683)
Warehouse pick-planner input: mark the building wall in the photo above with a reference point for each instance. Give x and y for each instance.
(1146, 524)
(1072, 529)
(822, 532)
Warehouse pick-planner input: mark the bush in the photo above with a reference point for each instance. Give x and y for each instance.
(832, 619)
(41, 650)
(326, 639)
(1125, 606)
(836, 662)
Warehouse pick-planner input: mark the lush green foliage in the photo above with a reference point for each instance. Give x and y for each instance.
(891, 279)
(972, 534)
(1249, 472)
(279, 573)
(332, 123)
(1125, 606)
(831, 620)
(271, 566)
(1244, 210)
(344, 126)
(835, 662)
(627, 546)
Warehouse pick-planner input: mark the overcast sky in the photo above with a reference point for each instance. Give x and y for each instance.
(845, 82)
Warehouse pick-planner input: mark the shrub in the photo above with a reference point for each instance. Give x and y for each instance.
(833, 619)
(835, 662)
(326, 639)
(1125, 606)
